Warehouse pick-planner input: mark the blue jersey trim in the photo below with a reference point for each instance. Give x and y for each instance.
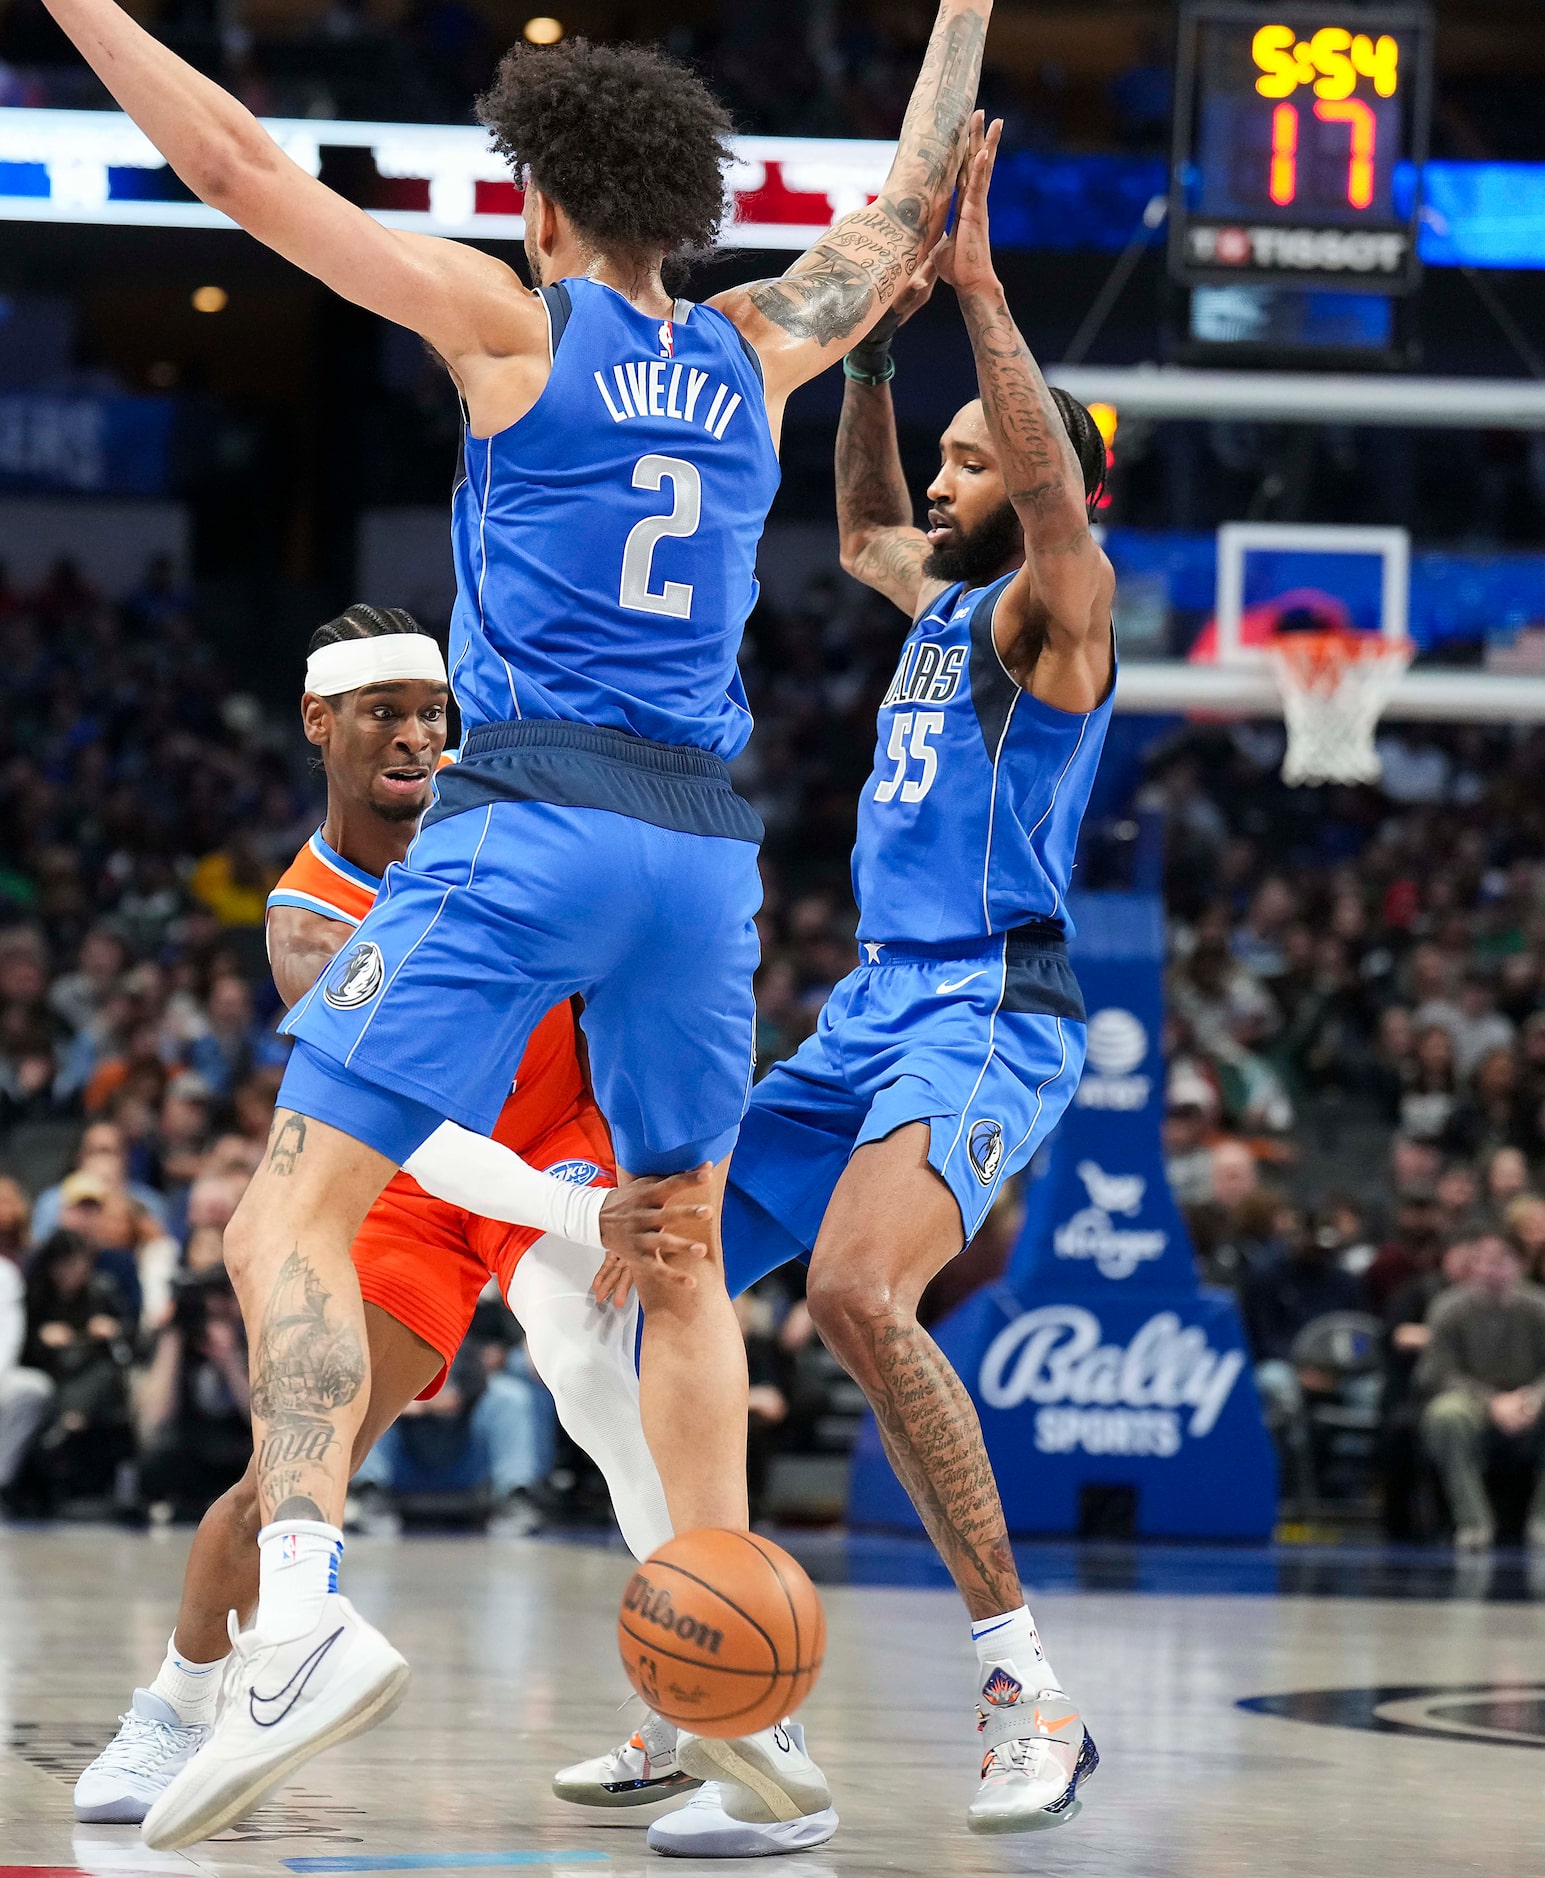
(590, 766)
(330, 857)
(308, 903)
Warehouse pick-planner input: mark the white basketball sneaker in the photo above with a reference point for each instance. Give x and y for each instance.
(703, 1829)
(152, 1746)
(639, 1773)
(765, 1777)
(281, 1704)
(1036, 1753)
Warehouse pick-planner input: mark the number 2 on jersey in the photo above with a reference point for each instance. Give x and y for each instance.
(910, 731)
(674, 598)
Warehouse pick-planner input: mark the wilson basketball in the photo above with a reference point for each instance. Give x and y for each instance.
(721, 1632)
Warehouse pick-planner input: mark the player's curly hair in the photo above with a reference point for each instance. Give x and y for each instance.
(362, 621)
(632, 145)
(1088, 444)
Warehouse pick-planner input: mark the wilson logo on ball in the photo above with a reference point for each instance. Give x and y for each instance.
(653, 1604)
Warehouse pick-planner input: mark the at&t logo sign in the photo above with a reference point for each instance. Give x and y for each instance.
(1103, 1398)
(1117, 1048)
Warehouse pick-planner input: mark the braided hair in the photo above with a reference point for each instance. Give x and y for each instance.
(1088, 444)
(362, 621)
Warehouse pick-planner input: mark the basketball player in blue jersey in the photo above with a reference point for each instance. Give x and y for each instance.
(620, 460)
(947, 1057)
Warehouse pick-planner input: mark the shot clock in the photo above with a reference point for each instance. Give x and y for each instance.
(1298, 132)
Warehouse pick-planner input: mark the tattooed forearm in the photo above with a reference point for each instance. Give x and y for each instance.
(934, 1441)
(288, 1142)
(826, 300)
(307, 1365)
(834, 293)
(1040, 471)
(879, 544)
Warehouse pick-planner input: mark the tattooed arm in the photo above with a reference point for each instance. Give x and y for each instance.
(880, 543)
(805, 321)
(1053, 623)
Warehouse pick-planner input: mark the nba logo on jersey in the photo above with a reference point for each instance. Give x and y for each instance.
(289, 1548)
(667, 340)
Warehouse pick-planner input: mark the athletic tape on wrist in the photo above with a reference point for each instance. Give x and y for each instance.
(350, 663)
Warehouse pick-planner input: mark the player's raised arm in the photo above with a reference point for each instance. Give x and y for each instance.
(1053, 622)
(878, 540)
(463, 302)
(804, 321)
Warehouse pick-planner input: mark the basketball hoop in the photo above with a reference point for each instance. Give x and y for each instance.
(1334, 688)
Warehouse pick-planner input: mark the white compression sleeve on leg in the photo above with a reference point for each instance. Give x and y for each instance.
(470, 1171)
(583, 1351)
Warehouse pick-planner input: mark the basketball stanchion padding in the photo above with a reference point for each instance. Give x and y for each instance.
(1335, 686)
(721, 1632)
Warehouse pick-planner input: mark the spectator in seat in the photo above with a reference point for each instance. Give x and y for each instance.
(484, 1429)
(1492, 1115)
(1525, 1222)
(25, 1394)
(1507, 1178)
(1480, 1028)
(1483, 1372)
(1431, 1090)
(1236, 1231)
(1410, 1252)
(1407, 1334)
(101, 1153)
(228, 1051)
(194, 1403)
(1457, 1192)
(80, 995)
(76, 1335)
(1278, 1300)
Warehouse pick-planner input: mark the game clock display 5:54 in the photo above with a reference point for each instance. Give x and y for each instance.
(1298, 136)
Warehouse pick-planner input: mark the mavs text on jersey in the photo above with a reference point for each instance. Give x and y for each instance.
(964, 1012)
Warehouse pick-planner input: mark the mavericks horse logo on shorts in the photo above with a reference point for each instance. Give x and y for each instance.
(984, 1144)
(359, 981)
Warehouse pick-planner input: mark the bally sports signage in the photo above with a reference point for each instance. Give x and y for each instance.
(1099, 1362)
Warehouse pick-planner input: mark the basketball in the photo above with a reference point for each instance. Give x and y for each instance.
(721, 1632)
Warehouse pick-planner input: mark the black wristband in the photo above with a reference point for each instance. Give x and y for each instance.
(869, 365)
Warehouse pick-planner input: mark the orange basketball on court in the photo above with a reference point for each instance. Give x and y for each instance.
(721, 1632)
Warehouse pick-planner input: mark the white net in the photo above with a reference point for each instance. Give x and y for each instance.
(1334, 688)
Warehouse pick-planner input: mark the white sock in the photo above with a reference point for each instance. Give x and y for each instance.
(1012, 1643)
(297, 1569)
(193, 1689)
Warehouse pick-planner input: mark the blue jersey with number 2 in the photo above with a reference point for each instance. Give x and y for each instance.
(968, 825)
(605, 544)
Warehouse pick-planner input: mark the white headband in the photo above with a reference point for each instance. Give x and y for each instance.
(350, 663)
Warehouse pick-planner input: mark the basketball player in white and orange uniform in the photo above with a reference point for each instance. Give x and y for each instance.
(423, 1259)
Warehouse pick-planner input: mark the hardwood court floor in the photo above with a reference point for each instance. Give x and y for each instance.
(1419, 1753)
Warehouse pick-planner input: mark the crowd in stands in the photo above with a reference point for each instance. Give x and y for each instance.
(1356, 1100)
(1356, 1097)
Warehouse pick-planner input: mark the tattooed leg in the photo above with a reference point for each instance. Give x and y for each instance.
(288, 1254)
(892, 1224)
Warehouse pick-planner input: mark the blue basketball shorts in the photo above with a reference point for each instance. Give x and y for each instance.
(505, 907)
(983, 1041)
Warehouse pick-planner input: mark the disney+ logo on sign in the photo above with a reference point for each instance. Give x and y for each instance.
(1104, 1398)
(1117, 1047)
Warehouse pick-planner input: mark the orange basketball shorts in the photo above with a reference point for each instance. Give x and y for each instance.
(426, 1263)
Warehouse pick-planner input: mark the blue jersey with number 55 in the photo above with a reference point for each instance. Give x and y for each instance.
(969, 823)
(605, 544)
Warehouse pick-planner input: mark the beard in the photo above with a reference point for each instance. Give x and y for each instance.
(978, 557)
(395, 812)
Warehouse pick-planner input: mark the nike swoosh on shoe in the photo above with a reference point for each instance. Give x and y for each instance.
(303, 1674)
